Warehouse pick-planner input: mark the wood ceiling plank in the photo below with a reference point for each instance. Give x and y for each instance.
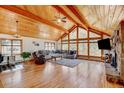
(107, 17)
(121, 11)
(80, 16)
(26, 27)
(92, 12)
(32, 16)
(113, 15)
(121, 16)
(101, 15)
(77, 13)
(96, 8)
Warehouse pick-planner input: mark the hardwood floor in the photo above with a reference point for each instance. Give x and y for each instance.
(86, 74)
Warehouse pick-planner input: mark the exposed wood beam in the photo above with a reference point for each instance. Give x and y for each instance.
(98, 31)
(91, 30)
(72, 28)
(77, 13)
(32, 16)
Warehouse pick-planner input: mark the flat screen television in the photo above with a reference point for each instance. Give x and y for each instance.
(104, 44)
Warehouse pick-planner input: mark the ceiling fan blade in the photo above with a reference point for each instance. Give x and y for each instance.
(54, 20)
(64, 18)
(63, 21)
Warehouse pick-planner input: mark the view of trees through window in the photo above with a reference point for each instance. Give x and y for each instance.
(49, 45)
(85, 42)
(65, 43)
(11, 47)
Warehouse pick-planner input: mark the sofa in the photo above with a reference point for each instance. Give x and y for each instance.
(44, 55)
(71, 54)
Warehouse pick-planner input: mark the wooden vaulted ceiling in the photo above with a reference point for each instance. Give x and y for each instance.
(36, 20)
(103, 17)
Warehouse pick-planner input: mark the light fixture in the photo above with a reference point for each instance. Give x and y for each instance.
(17, 35)
(59, 18)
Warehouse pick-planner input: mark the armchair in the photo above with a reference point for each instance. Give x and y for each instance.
(39, 59)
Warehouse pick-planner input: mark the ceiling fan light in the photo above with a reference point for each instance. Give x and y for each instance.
(59, 20)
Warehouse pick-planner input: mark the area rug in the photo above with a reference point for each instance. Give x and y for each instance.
(69, 62)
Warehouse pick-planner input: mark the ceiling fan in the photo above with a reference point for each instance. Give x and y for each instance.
(17, 35)
(60, 19)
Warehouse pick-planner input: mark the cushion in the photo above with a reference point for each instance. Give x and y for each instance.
(71, 52)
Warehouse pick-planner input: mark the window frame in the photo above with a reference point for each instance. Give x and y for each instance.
(49, 46)
(99, 35)
(12, 46)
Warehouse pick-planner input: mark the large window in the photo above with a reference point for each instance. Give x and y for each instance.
(65, 43)
(94, 51)
(82, 33)
(83, 49)
(73, 34)
(59, 44)
(11, 47)
(65, 46)
(73, 46)
(83, 41)
(93, 46)
(73, 40)
(49, 46)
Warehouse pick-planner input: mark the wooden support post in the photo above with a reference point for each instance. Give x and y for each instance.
(77, 39)
(88, 44)
(102, 52)
(68, 41)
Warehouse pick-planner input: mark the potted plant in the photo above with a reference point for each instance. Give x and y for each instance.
(25, 55)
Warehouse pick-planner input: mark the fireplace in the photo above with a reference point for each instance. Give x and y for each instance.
(115, 67)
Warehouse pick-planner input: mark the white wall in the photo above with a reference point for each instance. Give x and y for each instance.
(28, 45)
